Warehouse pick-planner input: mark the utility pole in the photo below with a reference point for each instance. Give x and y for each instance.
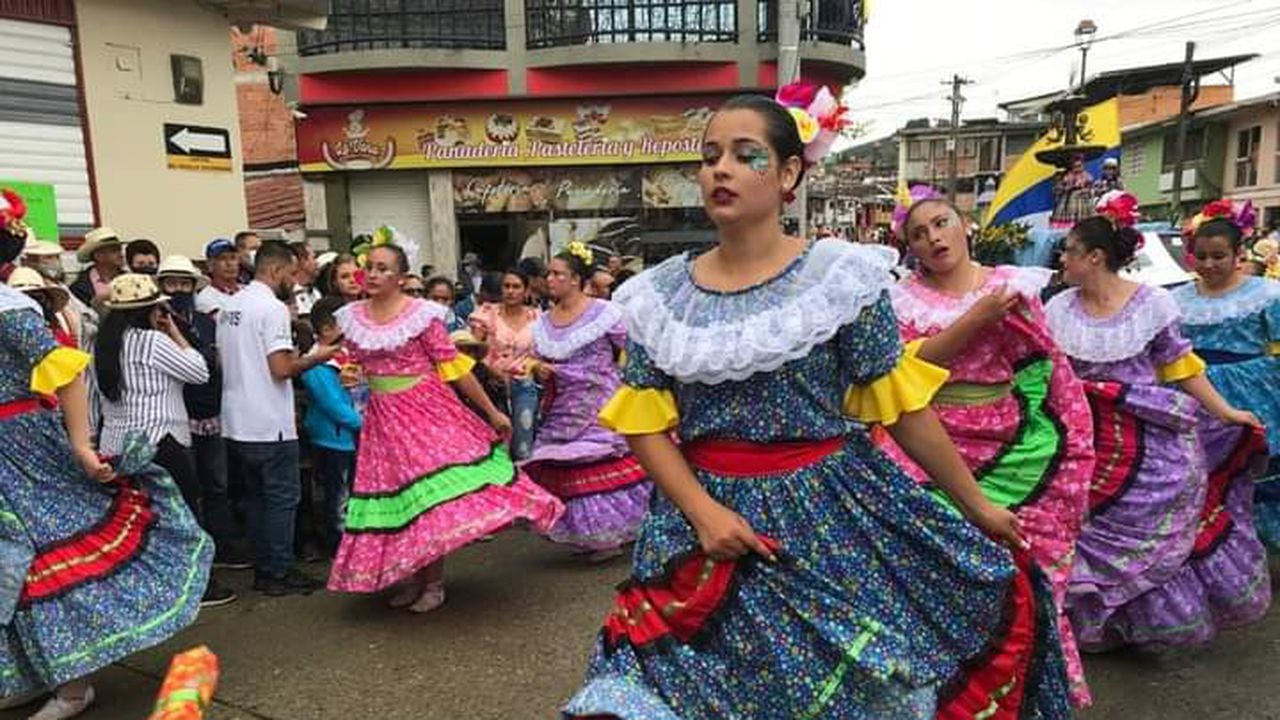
(953, 142)
(789, 16)
(1190, 91)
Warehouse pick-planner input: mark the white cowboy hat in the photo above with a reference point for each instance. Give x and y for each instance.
(132, 291)
(30, 282)
(96, 239)
(182, 267)
(35, 248)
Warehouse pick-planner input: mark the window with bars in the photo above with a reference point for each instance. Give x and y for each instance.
(397, 24)
(833, 21)
(556, 23)
(1247, 142)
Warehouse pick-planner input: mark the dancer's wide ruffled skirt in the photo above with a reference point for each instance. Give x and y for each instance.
(604, 500)
(1251, 385)
(430, 479)
(883, 604)
(1168, 555)
(89, 573)
(1031, 451)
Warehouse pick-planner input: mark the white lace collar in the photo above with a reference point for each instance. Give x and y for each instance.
(1124, 335)
(360, 329)
(11, 299)
(559, 343)
(702, 336)
(929, 311)
(1253, 296)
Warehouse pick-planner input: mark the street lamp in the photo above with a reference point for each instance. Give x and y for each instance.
(1084, 39)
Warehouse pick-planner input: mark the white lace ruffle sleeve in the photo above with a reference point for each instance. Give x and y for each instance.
(703, 336)
(1119, 337)
(360, 329)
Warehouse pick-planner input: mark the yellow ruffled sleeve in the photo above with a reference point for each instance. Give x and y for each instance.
(455, 369)
(1184, 368)
(57, 369)
(640, 411)
(907, 388)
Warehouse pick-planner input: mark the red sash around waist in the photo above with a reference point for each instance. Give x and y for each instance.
(738, 458)
(14, 408)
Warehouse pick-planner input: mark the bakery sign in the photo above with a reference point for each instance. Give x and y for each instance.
(512, 134)
(536, 189)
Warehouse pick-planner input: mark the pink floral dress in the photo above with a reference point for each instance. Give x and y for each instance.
(1017, 413)
(431, 477)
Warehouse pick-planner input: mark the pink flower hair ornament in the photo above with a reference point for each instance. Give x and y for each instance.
(818, 115)
(1242, 215)
(908, 200)
(1120, 207)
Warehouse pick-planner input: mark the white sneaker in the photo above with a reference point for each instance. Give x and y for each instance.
(432, 598)
(60, 708)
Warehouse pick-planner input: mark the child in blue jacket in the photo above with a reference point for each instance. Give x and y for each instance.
(332, 424)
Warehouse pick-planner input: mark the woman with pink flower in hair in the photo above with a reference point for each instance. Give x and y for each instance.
(1012, 405)
(1165, 557)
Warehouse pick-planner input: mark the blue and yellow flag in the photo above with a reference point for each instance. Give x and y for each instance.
(1026, 192)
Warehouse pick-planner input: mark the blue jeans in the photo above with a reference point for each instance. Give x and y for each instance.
(333, 472)
(273, 489)
(525, 395)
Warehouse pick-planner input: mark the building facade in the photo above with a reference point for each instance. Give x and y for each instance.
(509, 127)
(985, 150)
(1231, 151)
(124, 112)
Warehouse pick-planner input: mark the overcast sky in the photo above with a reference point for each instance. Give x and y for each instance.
(914, 45)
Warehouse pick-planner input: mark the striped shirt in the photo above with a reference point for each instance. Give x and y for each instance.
(153, 370)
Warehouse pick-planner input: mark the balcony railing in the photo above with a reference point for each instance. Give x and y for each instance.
(398, 24)
(558, 23)
(831, 21)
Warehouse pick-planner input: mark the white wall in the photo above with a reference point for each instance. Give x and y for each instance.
(128, 87)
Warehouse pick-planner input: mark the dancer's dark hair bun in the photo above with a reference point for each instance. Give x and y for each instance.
(1120, 245)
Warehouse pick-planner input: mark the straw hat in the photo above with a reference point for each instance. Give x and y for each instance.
(95, 240)
(35, 248)
(30, 282)
(180, 266)
(132, 291)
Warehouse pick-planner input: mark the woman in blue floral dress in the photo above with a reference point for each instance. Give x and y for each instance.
(787, 569)
(94, 565)
(1233, 320)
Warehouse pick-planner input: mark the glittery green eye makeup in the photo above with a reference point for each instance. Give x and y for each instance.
(755, 157)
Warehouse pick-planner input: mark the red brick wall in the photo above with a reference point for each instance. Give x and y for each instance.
(273, 187)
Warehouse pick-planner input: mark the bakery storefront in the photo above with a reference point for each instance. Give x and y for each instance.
(518, 178)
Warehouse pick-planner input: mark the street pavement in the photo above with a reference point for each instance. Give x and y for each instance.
(513, 639)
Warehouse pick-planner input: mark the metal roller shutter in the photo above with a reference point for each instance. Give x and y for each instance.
(40, 126)
(397, 198)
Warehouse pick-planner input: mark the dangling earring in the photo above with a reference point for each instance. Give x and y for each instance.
(789, 196)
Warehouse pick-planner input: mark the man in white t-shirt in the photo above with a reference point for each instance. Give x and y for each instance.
(255, 345)
(224, 265)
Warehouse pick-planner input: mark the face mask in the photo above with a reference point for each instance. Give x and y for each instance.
(50, 271)
(182, 302)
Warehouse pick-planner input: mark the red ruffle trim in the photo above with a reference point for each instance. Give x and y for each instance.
(1117, 440)
(571, 481)
(1215, 520)
(95, 553)
(992, 686)
(677, 606)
